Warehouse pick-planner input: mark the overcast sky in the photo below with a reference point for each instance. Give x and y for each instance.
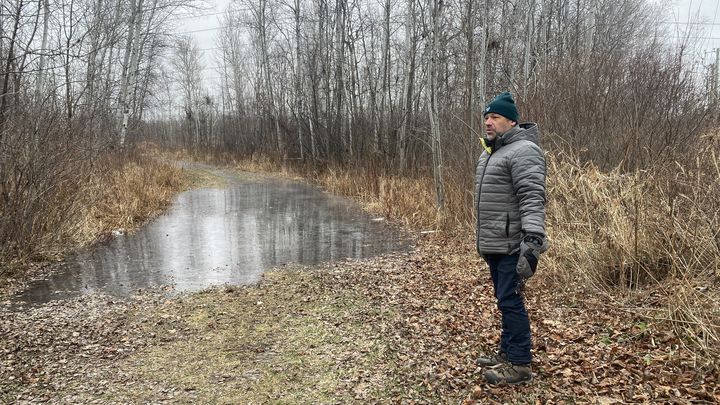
(693, 18)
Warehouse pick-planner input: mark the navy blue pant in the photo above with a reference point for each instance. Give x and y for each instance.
(515, 338)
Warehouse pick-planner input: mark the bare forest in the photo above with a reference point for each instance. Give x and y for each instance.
(380, 100)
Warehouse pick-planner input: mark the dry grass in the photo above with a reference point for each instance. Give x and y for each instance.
(127, 195)
(648, 238)
(406, 200)
(247, 345)
(114, 192)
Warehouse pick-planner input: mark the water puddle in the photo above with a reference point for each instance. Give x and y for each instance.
(223, 236)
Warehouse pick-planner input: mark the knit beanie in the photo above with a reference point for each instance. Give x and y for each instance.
(504, 105)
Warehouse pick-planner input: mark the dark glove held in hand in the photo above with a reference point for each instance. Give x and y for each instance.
(530, 249)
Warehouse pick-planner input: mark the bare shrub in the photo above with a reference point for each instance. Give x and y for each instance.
(42, 169)
(58, 191)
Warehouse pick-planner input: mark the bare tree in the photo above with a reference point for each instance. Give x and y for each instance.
(408, 82)
(130, 61)
(324, 79)
(189, 69)
(435, 8)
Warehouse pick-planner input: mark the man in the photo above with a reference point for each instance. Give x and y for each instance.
(510, 198)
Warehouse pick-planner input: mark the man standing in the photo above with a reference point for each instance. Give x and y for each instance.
(510, 203)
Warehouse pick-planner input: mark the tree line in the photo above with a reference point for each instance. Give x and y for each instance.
(398, 82)
(76, 79)
(401, 83)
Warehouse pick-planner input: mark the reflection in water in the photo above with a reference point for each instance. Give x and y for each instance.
(212, 237)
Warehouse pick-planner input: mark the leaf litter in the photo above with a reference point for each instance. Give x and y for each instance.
(399, 328)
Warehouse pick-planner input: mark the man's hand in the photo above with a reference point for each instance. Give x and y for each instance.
(531, 247)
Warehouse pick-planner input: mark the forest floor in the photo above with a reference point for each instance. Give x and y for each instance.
(396, 328)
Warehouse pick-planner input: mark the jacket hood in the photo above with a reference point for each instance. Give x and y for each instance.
(528, 131)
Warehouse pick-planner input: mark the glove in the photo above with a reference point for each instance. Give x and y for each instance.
(531, 247)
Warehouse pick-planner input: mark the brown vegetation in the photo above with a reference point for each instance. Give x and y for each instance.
(68, 203)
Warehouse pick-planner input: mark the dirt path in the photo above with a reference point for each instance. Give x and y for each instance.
(397, 328)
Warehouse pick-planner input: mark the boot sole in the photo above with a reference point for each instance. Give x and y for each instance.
(495, 365)
(521, 382)
(500, 384)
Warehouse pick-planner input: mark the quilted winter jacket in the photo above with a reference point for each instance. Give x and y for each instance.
(510, 191)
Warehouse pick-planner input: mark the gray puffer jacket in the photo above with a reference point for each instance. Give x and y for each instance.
(510, 191)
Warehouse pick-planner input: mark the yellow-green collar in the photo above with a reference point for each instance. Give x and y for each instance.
(487, 148)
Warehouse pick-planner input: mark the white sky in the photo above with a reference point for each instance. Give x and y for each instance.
(686, 18)
(697, 19)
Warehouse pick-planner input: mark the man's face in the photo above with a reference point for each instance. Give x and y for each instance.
(496, 124)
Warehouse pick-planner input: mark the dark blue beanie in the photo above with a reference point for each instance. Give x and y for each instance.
(504, 105)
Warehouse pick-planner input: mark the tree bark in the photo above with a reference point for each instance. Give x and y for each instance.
(384, 117)
(298, 87)
(408, 84)
(40, 83)
(339, 82)
(469, 69)
(130, 61)
(436, 9)
(4, 105)
(262, 28)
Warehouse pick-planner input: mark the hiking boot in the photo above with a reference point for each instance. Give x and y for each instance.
(492, 360)
(509, 374)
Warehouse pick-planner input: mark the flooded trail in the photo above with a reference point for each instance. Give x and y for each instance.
(215, 236)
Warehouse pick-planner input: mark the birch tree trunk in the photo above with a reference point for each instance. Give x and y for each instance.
(40, 83)
(352, 96)
(68, 79)
(142, 38)
(483, 54)
(339, 45)
(469, 69)
(92, 64)
(130, 61)
(108, 76)
(528, 47)
(262, 28)
(372, 89)
(383, 116)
